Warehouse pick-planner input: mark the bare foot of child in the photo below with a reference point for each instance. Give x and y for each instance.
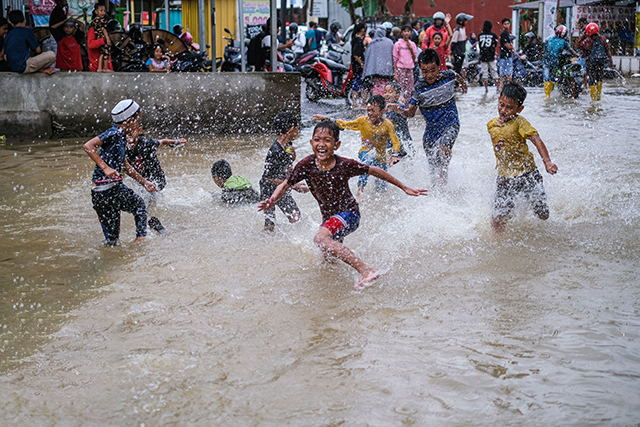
(139, 240)
(49, 70)
(367, 279)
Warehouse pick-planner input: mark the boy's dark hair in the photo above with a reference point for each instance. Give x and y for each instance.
(505, 20)
(487, 26)
(358, 27)
(378, 100)
(437, 33)
(414, 23)
(16, 17)
(395, 85)
(406, 27)
(429, 56)
(221, 169)
(284, 121)
(331, 126)
(515, 91)
(312, 24)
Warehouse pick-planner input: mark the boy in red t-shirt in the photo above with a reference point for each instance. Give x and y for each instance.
(69, 58)
(327, 176)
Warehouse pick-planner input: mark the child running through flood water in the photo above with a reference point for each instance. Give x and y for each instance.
(277, 165)
(108, 194)
(375, 131)
(142, 155)
(327, 176)
(517, 171)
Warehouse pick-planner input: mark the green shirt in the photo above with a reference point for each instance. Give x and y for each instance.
(236, 182)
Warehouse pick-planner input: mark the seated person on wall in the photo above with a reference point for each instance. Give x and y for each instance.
(235, 189)
(4, 29)
(18, 45)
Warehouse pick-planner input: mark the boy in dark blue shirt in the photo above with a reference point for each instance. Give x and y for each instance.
(18, 45)
(108, 194)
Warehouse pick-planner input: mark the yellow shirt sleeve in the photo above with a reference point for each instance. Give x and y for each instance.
(351, 124)
(525, 128)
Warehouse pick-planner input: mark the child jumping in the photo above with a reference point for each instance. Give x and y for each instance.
(434, 94)
(517, 171)
(108, 194)
(375, 131)
(277, 165)
(327, 176)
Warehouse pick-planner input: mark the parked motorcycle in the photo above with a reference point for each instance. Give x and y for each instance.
(232, 57)
(526, 72)
(569, 76)
(328, 77)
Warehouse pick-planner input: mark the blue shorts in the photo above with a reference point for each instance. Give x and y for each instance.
(505, 66)
(370, 158)
(342, 224)
(583, 62)
(357, 83)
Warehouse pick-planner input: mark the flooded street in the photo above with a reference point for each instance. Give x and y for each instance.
(218, 323)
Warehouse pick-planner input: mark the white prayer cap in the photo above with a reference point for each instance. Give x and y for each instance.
(124, 110)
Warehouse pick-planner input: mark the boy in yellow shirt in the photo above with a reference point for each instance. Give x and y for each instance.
(375, 131)
(517, 171)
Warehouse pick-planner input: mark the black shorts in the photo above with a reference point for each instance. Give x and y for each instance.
(286, 204)
(529, 185)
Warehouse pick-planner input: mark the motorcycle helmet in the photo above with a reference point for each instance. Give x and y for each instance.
(187, 38)
(561, 31)
(592, 28)
(462, 18)
(438, 15)
(530, 35)
(387, 25)
(177, 29)
(293, 27)
(335, 27)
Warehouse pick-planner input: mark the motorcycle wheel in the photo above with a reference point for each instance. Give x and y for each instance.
(312, 90)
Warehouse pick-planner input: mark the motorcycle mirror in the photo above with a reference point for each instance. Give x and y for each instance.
(226, 30)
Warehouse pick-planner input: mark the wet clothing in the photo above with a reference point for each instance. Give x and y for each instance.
(400, 124)
(369, 158)
(595, 67)
(529, 185)
(18, 44)
(144, 159)
(342, 224)
(552, 49)
(277, 165)
(373, 137)
(109, 203)
(68, 57)
(509, 140)
(357, 49)
(330, 188)
(488, 43)
(238, 189)
(110, 197)
(437, 104)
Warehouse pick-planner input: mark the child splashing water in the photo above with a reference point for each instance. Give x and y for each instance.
(327, 176)
(375, 131)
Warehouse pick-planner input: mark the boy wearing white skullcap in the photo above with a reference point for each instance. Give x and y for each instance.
(108, 194)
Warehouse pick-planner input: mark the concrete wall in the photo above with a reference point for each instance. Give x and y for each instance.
(627, 65)
(186, 103)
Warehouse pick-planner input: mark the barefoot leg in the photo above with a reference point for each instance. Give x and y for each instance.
(331, 247)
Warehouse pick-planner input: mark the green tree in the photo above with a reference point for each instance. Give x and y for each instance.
(351, 6)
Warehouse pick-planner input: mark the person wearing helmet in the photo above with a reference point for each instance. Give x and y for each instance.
(334, 37)
(459, 44)
(598, 54)
(551, 57)
(177, 30)
(532, 48)
(582, 58)
(299, 40)
(440, 25)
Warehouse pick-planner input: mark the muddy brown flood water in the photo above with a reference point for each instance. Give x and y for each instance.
(216, 323)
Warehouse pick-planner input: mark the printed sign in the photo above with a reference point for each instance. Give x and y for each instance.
(256, 12)
(319, 9)
(600, 14)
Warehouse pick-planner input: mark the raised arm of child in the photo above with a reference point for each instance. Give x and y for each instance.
(148, 185)
(447, 19)
(542, 149)
(173, 142)
(277, 193)
(379, 173)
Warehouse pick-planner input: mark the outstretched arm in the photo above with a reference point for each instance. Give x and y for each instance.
(410, 111)
(148, 185)
(92, 147)
(277, 193)
(542, 149)
(462, 82)
(379, 173)
(173, 142)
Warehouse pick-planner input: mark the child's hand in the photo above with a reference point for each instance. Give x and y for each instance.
(550, 167)
(150, 186)
(111, 173)
(265, 205)
(393, 160)
(447, 18)
(414, 192)
(319, 118)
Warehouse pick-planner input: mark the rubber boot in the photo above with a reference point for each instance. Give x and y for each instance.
(548, 88)
(599, 90)
(594, 93)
